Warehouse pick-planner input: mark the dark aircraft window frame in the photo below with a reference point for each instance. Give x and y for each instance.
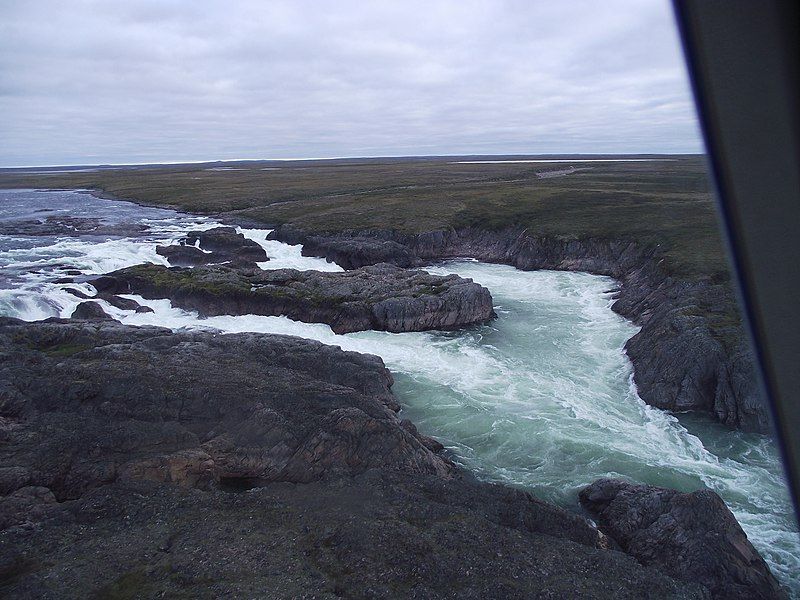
(742, 59)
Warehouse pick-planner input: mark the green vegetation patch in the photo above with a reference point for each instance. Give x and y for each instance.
(666, 203)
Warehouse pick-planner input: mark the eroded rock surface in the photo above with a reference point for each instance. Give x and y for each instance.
(692, 536)
(381, 297)
(88, 404)
(377, 535)
(213, 246)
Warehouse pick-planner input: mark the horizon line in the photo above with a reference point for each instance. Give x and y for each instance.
(330, 158)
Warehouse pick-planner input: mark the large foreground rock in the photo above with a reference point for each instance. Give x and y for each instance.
(381, 297)
(376, 535)
(213, 246)
(693, 536)
(140, 463)
(85, 404)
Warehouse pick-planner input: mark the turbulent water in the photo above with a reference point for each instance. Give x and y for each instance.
(542, 398)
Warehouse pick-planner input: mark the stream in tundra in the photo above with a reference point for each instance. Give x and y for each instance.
(541, 398)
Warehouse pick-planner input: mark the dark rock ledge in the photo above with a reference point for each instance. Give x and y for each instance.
(98, 401)
(64, 225)
(693, 536)
(380, 297)
(213, 246)
(137, 463)
(89, 310)
(691, 352)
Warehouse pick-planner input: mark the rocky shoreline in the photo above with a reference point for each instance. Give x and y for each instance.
(691, 352)
(138, 462)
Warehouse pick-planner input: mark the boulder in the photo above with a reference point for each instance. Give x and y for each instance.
(78, 293)
(90, 311)
(179, 255)
(119, 302)
(692, 536)
(27, 505)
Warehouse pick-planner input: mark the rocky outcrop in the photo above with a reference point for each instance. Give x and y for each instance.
(89, 404)
(360, 252)
(64, 225)
(126, 449)
(213, 246)
(691, 352)
(90, 311)
(694, 537)
(380, 297)
(180, 255)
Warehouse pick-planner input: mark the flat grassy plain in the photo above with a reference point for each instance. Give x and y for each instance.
(665, 202)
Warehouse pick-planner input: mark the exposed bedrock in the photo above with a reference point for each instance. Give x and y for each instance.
(380, 534)
(64, 225)
(381, 297)
(83, 404)
(123, 448)
(213, 246)
(691, 352)
(693, 537)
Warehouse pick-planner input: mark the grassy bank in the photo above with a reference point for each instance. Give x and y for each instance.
(666, 203)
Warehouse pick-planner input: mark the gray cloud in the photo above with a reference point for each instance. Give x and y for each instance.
(155, 80)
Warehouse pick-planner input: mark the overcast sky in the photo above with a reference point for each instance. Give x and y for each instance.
(116, 81)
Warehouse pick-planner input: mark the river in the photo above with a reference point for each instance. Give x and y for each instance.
(542, 398)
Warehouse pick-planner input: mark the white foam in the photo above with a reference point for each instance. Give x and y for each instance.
(285, 256)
